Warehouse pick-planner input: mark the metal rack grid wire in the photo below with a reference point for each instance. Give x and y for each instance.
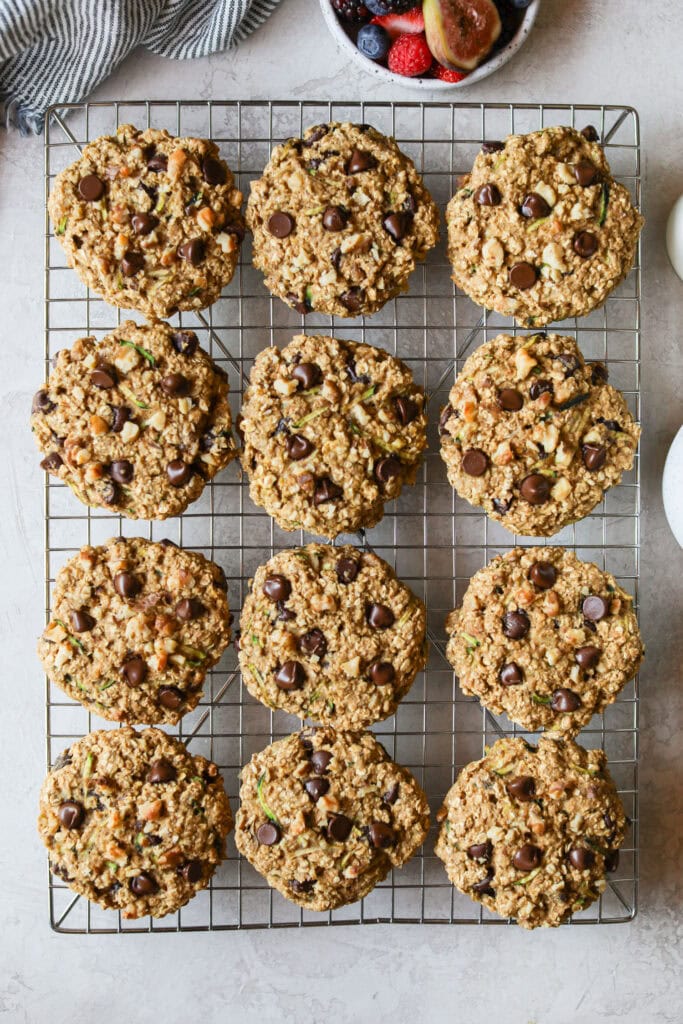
(434, 540)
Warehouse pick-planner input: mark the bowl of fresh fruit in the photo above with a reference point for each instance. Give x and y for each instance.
(430, 44)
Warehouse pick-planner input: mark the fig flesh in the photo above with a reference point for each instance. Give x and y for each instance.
(461, 33)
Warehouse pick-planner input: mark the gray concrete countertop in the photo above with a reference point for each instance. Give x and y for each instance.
(618, 51)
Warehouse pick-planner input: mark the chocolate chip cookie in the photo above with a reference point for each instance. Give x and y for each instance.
(534, 434)
(133, 821)
(544, 637)
(330, 633)
(149, 222)
(135, 627)
(540, 230)
(340, 219)
(326, 815)
(531, 832)
(136, 423)
(332, 430)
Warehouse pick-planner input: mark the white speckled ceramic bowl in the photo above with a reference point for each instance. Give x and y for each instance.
(432, 84)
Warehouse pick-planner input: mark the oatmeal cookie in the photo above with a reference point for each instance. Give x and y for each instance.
(544, 637)
(530, 832)
(534, 434)
(149, 222)
(330, 633)
(133, 821)
(332, 430)
(540, 230)
(325, 816)
(135, 423)
(135, 627)
(340, 219)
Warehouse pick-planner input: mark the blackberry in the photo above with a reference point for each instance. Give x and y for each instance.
(384, 7)
(351, 10)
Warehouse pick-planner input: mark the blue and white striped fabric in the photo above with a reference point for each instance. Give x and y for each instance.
(59, 50)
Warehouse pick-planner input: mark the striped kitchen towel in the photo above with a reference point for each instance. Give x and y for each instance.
(59, 50)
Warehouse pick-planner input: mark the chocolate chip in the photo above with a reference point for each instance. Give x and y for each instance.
(307, 376)
(516, 625)
(161, 771)
(185, 342)
(286, 614)
(302, 888)
(214, 171)
(143, 885)
(492, 147)
(158, 162)
(175, 384)
(585, 173)
(280, 224)
(268, 834)
(132, 263)
(527, 857)
(391, 795)
(379, 616)
(397, 224)
(381, 835)
(522, 788)
(193, 871)
(178, 473)
(110, 493)
(502, 507)
(90, 188)
(339, 827)
(581, 858)
(352, 373)
(121, 415)
(540, 387)
(193, 251)
(312, 643)
(326, 490)
(104, 376)
(534, 207)
(144, 223)
(475, 462)
(170, 697)
(315, 134)
(352, 299)
(347, 569)
(510, 400)
(381, 673)
(71, 814)
(480, 851)
(335, 259)
(320, 760)
(189, 608)
(595, 608)
(81, 622)
(585, 244)
(335, 218)
(121, 471)
(126, 585)
(590, 133)
(543, 575)
(298, 447)
(316, 787)
(276, 587)
(483, 886)
(487, 195)
(535, 489)
(360, 160)
(134, 671)
(387, 469)
(406, 409)
(522, 276)
(587, 657)
(611, 860)
(594, 456)
(511, 674)
(41, 402)
(565, 700)
(290, 676)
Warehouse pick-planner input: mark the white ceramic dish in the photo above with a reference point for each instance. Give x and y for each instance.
(432, 84)
(672, 487)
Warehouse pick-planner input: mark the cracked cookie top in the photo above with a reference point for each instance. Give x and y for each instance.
(340, 218)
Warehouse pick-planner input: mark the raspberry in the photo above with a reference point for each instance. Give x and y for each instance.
(446, 75)
(410, 56)
(351, 10)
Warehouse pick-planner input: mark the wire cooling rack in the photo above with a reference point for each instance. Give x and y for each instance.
(434, 540)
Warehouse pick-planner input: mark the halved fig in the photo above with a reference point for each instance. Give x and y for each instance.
(461, 33)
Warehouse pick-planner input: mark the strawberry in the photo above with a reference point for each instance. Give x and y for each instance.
(399, 24)
(410, 56)
(447, 75)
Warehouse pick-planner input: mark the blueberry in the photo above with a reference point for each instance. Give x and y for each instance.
(384, 7)
(373, 42)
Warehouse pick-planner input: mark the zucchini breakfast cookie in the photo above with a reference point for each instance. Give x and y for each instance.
(332, 430)
(136, 423)
(340, 219)
(330, 633)
(149, 222)
(540, 230)
(133, 821)
(135, 627)
(531, 832)
(325, 816)
(544, 637)
(534, 434)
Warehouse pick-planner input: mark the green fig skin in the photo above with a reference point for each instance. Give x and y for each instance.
(461, 33)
